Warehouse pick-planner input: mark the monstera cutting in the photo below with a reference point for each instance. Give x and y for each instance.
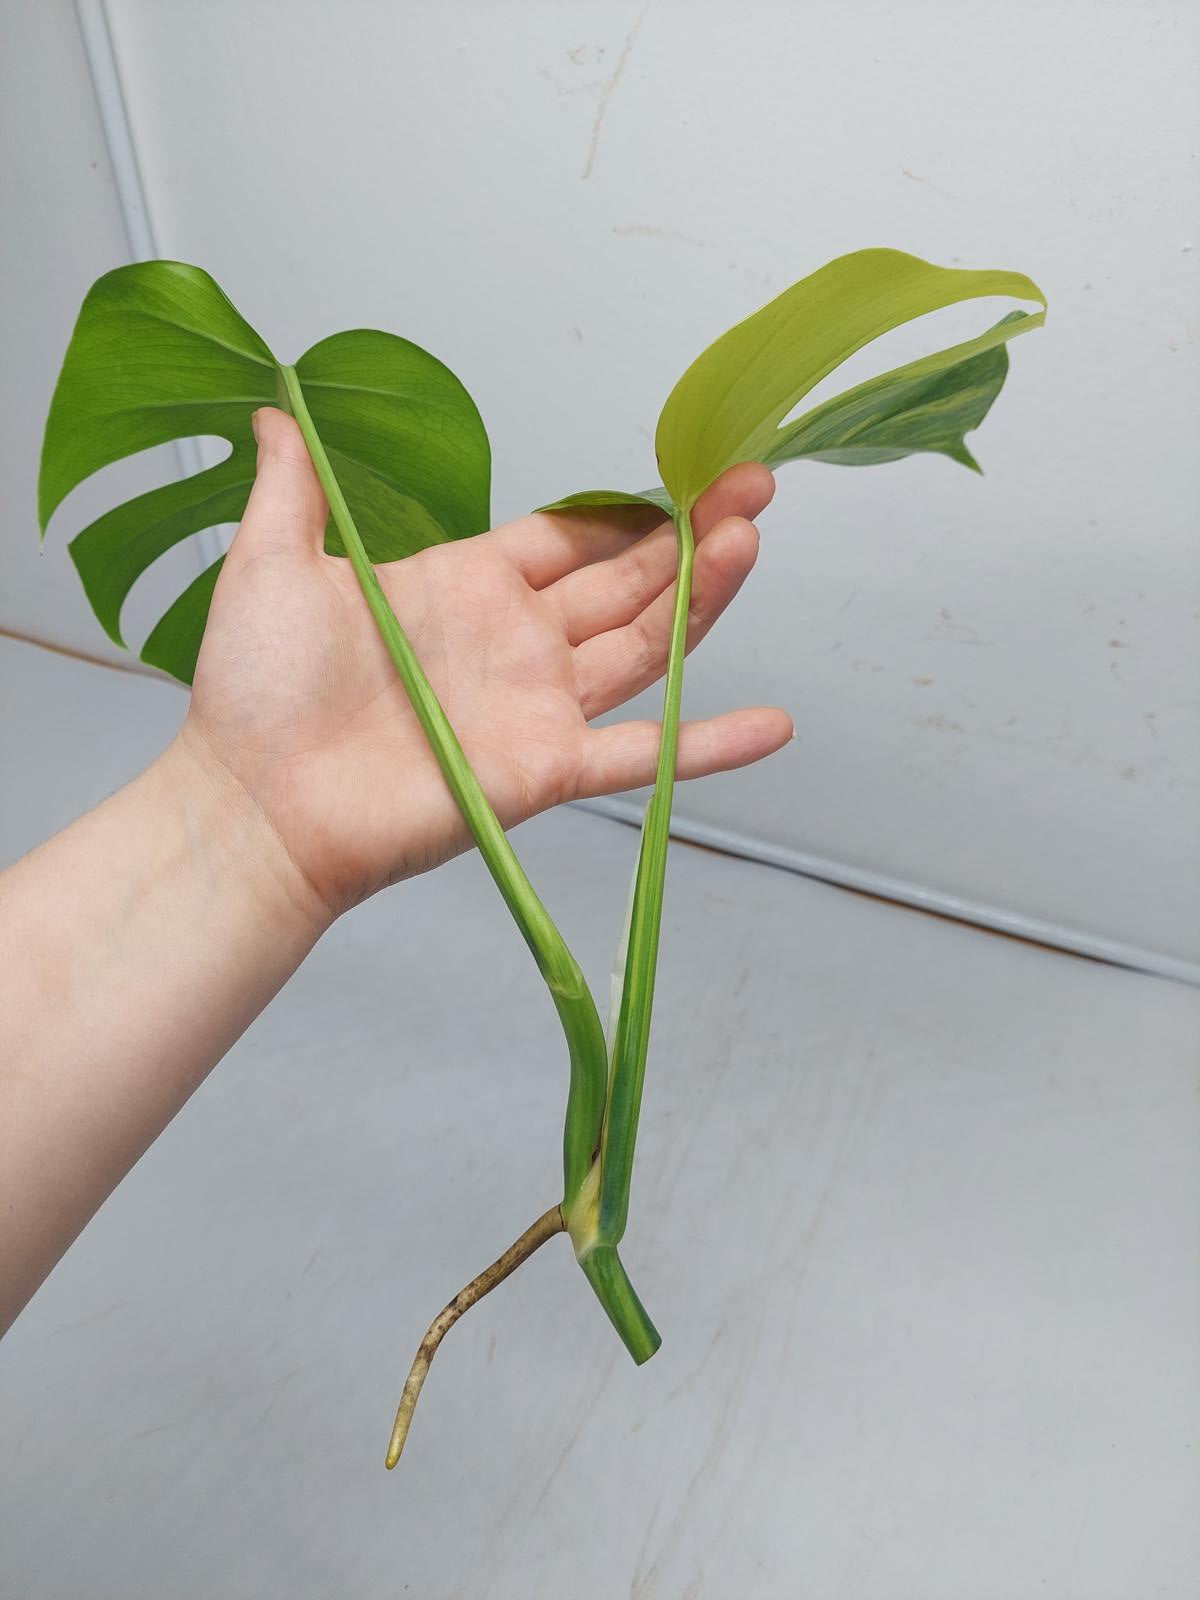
(160, 354)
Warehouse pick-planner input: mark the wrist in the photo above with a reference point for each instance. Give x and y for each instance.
(231, 835)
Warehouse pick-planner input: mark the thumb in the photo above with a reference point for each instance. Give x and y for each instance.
(286, 509)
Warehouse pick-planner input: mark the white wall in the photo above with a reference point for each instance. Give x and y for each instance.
(995, 680)
(62, 228)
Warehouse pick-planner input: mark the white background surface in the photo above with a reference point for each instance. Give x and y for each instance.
(995, 680)
(918, 1216)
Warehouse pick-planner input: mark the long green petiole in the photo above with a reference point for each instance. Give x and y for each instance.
(632, 1038)
(565, 980)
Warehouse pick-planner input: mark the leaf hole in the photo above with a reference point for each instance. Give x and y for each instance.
(112, 486)
(923, 336)
(158, 588)
(167, 576)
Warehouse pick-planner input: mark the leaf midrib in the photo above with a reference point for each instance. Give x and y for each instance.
(210, 338)
(403, 395)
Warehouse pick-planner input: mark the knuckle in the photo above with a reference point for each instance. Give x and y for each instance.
(649, 653)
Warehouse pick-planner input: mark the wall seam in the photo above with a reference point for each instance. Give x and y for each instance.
(95, 28)
(901, 891)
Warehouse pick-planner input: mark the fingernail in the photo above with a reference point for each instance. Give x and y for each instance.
(254, 425)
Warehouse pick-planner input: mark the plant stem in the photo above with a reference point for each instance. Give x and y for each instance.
(546, 1226)
(602, 1267)
(576, 1008)
(632, 1039)
(603, 1270)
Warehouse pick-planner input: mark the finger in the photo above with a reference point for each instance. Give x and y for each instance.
(625, 756)
(287, 506)
(549, 544)
(612, 667)
(609, 594)
(741, 491)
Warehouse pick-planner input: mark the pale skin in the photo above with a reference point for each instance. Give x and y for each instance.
(139, 943)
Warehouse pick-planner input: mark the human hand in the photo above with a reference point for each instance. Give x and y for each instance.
(526, 633)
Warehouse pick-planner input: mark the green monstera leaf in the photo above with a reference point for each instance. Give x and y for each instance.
(160, 353)
(731, 405)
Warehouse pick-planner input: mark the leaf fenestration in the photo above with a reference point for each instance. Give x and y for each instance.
(925, 406)
(159, 353)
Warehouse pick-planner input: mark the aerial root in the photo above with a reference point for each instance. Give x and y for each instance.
(546, 1226)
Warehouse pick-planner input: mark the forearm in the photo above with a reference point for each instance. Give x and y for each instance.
(135, 947)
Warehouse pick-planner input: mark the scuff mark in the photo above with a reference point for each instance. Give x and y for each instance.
(957, 632)
(644, 230)
(606, 93)
(937, 188)
(1115, 669)
(647, 1579)
(565, 91)
(568, 1439)
(635, 1581)
(175, 1422)
(86, 1322)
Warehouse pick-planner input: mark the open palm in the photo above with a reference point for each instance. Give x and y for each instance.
(526, 634)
